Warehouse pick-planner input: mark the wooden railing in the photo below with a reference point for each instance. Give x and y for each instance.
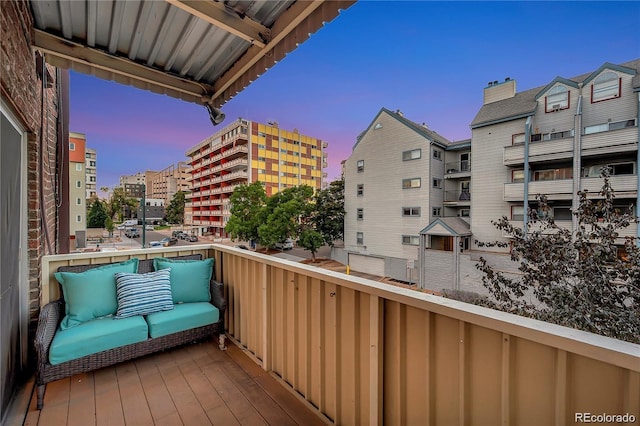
(363, 352)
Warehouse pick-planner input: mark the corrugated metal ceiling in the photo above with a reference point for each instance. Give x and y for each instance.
(198, 51)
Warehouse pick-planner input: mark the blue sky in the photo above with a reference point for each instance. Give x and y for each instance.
(429, 59)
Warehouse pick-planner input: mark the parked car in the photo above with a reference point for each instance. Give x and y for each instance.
(122, 226)
(285, 245)
(155, 244)
(149, 227)
(192, 238)
(169, 241)
(176, 233)
(132, 233)
(182, 236)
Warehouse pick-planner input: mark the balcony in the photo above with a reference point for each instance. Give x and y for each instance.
(357, 351)
(623, 185)
(462, 198)
(559, 149)
(457, 169)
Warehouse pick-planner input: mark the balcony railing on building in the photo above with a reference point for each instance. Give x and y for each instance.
(364, 352)
(457, 197)
(463, 166)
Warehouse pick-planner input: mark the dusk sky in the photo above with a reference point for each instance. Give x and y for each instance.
(431, 60)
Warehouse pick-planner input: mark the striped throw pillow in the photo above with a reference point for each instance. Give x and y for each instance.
(142, 294)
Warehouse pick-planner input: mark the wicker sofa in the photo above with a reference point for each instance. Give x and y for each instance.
(52, 314)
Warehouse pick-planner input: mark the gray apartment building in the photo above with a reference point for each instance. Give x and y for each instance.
(415, 200)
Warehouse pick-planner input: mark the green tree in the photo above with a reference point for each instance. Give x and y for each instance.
(576, 278)
(97, 215)
(108, 225)
(118, 201)
(312, 240)
(247, 203)
(175, 209)
(328, 215)
(284, 214)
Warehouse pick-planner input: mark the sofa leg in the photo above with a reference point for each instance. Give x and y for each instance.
(40, 392)
(221, 340)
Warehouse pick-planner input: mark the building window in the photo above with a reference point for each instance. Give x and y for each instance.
(517, 176)
(411, 211)
(557, 135)
(359, 238)
(553, 174)
(360, 190)
(437, 154)
(465, 212)
(413, 154)
(78, 201)
(436, 212)
(557, 99)
(78, 184)
(411, 183)
(609, 126)
(78, 167)
(517, 139)
(605, 86)
(377, 126)
(360, 165)
(72, 146)
(436, 183)
(78, 218)
(626, 168)
(517, 213)
(412, 240)
(360, 214)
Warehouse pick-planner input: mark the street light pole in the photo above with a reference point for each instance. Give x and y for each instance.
(144, 215)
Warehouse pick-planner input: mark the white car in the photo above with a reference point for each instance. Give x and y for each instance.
(149, 227)
(285, 245)
(155, 244)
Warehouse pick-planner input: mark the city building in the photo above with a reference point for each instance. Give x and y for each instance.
(570, 128)
(134, 190)
(140, 178)
(243, 152)
(154, 210)
(77, 189)
(165, 183)
(91, 172)
(400, 177)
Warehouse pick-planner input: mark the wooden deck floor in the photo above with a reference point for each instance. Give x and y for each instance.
(193, 385)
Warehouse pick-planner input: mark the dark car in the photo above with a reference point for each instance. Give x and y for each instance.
(169, 241)
(192, 238)
(132, 233)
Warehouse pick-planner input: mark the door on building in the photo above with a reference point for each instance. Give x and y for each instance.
(13, 253)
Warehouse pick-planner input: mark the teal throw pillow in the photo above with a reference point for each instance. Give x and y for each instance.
(91, 294)
(189, 278)
(143, 294)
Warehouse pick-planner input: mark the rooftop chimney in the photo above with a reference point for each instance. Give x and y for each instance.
(498, 91)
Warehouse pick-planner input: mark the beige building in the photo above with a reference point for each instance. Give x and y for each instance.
(77, 189)
(575, 126)
(243, 152)
(165, 183)
(91, 162)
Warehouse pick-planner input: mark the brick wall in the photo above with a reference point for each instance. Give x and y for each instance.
(37, 110)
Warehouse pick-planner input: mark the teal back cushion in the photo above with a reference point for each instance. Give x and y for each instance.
(91, 294)
(189, 278)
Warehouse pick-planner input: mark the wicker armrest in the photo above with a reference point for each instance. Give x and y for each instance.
(48, 322)
(217, 296)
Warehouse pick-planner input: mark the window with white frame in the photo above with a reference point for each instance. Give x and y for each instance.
(360, 214)
(78, 167)
(412, 240)
(517, 139)
(411, 183)
(597, 128)
(437, 154)
(360, 238)
(517, 213)
(517, 176)
(436, 212)
(360, 165)
(411, 211)
(360, 190)
(72, 146)
(413, 154)
(605, 86)
(557, 98)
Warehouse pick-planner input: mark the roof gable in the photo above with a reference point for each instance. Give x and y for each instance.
(556, 80)
(612, 67)
(447, 226)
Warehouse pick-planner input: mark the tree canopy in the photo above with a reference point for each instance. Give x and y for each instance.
(583, 279)
(97, 216)
(175, 210)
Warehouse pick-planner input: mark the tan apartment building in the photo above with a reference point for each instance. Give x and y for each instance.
(165, 183)
(243, 152)
(77, 189)
(91, 164)
(571, 128)
(400, 177)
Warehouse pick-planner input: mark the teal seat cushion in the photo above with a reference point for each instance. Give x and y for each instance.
(96, 336)
(190, 279)
(182, 317)
(91, 294)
